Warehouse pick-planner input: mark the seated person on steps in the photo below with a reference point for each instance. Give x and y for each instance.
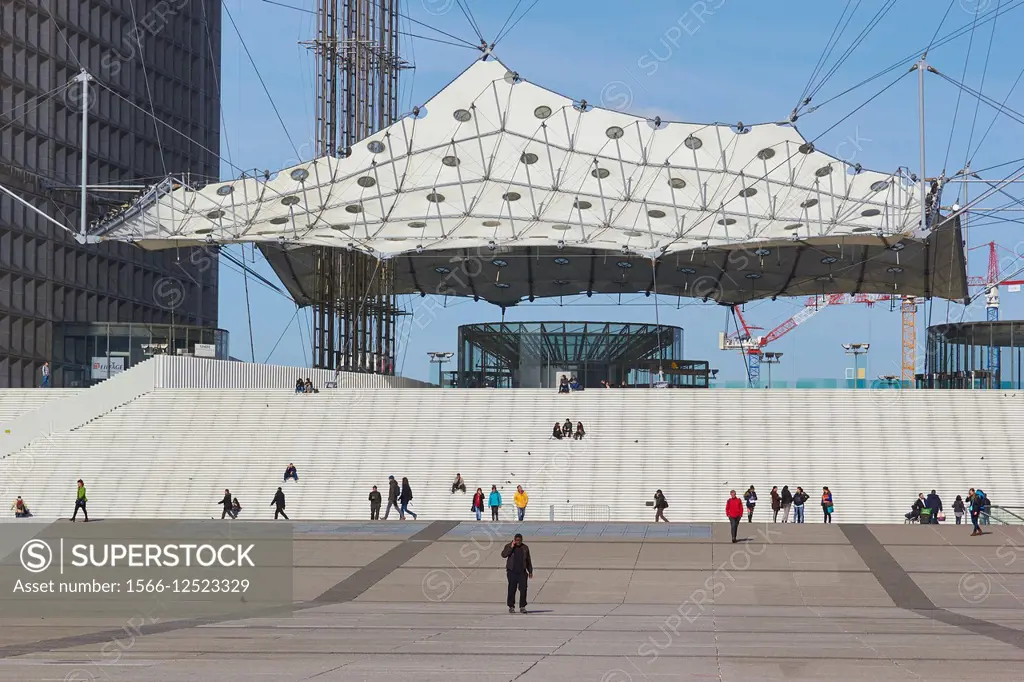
(563, 384)
(579, 432)
(575, 385)
(567, 428)
(291, 472)
(20, 508)
(557, 431)
(458, 484)
(236, 508)
(300, 386)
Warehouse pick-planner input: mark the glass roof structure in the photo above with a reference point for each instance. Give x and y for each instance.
(546, 195)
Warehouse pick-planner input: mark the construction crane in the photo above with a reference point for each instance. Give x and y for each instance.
(753, 346)
(743, 339)
(991, 283)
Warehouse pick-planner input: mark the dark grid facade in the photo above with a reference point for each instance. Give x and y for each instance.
(162, 55)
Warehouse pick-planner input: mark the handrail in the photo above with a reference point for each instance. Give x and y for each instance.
(1017, 515)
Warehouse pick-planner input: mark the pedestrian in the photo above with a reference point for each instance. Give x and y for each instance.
(80, 501)
(934, 504)
(958, 509)
(392, 498)
(46, 375)
(494, 502)
(776, 503)
(278, 504)
(518, 569)
(826, 503)
(977, 504)
(660, 505)
(750, 497)
(787, 503)
(734, 510)
(374, 504)
(520, 499)
(798, 505)
(225, 502)
(478, 503)
(986, 507)
(406, 498)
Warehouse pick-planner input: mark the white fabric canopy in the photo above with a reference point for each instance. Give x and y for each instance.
(496, 161)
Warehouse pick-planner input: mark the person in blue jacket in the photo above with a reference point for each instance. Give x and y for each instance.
(494, 502)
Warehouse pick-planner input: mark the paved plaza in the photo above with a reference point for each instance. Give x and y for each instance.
(609, 603)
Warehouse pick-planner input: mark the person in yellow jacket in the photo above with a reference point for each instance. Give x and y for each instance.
(521, 499)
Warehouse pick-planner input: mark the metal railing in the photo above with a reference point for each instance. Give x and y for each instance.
(590, 512)
(1006, 515)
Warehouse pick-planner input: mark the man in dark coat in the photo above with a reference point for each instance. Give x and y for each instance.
(278, 504)
(392, 497)
(226, 503)
(374, 504)
(518, 568)
(934, 504)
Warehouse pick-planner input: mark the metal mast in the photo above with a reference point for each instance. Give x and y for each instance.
(356, 49)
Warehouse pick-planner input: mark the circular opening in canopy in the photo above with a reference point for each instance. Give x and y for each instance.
(462, 115)
(366, 181)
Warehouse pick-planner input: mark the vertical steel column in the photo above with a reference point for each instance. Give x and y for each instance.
(357, 94)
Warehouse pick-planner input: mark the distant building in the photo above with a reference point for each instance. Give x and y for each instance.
(57, 297)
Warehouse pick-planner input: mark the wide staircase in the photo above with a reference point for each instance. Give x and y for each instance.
(171, 452)
(15, 402)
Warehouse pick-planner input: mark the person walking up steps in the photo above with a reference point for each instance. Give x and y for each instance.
(734, 511)
(393, 491)
(278, 504)
(80, 501)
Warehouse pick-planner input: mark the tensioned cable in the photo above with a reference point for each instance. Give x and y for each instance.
(1007, 111)
(149, 91)
(959, 93)
(981, 86)
(42, 100)
(52, 92)
(827, 52)
(875, 20)
(262, 82)
(942, 22)
(513, 12)
(432, 28)
(996, 115)
(516, 22)
(286, 327)
(437, 40)
(989, 16)
(469, 17)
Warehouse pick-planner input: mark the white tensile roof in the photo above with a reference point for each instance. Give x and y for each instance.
(494, 160)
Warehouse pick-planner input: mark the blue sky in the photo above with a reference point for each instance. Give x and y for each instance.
(717, 60)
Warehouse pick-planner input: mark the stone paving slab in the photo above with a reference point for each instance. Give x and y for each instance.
(423, 601)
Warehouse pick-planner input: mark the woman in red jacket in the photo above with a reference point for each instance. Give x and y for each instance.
(734, 510)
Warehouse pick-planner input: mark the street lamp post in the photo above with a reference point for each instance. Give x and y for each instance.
(771, 359)
(440, 357)
(856, 350)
